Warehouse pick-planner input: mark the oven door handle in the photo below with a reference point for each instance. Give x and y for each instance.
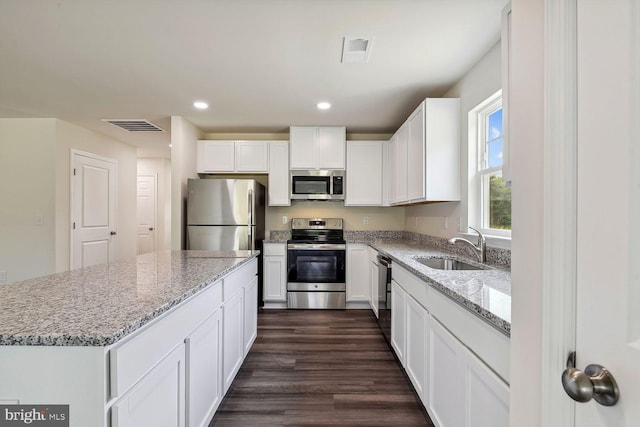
(316, 247)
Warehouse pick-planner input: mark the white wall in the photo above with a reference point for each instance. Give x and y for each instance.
(483, 80)
(69, 136)
(527, 168)
(184, 137)
(161, 168)
(27, 192)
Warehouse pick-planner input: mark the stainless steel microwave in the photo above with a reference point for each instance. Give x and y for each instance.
(317, 185)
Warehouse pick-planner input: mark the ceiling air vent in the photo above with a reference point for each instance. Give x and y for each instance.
(356, 49)
(134, 125)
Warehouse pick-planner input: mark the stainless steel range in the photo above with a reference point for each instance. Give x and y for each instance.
(316, 257)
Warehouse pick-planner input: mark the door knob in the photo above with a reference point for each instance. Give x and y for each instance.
(595, 382)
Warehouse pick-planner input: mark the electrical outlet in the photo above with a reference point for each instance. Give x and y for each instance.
(3, 276)
(285, 220)
(365, 220)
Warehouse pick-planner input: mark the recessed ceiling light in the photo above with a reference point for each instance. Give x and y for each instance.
(201, 105)
(324, 105)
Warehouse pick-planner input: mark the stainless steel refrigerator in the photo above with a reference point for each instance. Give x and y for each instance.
(225, 214)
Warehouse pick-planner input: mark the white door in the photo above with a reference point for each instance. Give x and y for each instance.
(608, 204)
(146, 213)
(93, 209)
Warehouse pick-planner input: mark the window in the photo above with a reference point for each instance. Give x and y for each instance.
(489, 193)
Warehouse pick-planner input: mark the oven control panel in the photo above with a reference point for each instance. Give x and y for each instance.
(316, 223)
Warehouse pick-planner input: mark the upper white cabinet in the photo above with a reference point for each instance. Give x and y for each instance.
(233, 156)
(426, 154)
(315, 147)
(364, 173)
(279, 173)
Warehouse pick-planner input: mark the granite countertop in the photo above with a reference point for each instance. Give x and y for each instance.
(486, 293)
(99, 305)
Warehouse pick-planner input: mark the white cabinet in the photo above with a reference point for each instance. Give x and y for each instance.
(204, 371)
(487, 403)
(426, 153)
(398, 320)
(279, 174)
(232, 156)
(275, 275)
(417, 345)
(158, 399)
(233, 336)
(358, 286)
(364, 173)
(315, 147)
(446, 395)
(250, 314)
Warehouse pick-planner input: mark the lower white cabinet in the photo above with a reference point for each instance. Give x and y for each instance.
(158, 399)
(204, 371)
(374, 298)
(398, 320)
(233, 337)
(358, 286)
(250, 314)
(417, 344)
(457, 387)
(275, 274)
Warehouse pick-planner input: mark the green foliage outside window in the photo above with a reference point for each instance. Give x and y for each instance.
(499, 204)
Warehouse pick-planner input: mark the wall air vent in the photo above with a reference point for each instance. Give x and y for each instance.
(356, 49)
(134, 125)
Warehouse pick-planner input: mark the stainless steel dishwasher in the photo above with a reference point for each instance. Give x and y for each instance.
(384, 296)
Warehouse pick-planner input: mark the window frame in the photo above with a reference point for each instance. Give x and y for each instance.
(479, 172)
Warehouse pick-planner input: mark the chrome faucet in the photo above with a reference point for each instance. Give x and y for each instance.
(480, 249)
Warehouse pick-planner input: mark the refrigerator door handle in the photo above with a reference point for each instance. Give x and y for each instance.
(250, 207)
(250, 240)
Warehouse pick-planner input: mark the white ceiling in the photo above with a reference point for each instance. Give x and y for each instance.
(262, 65)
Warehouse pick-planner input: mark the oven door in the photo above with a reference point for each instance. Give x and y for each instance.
(316, 263)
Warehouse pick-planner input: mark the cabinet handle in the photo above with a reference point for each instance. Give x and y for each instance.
(113, 233)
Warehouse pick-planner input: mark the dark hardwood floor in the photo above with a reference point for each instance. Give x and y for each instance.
(320, 367)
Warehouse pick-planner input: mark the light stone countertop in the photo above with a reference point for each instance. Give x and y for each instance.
(99, 305)
(486, 293)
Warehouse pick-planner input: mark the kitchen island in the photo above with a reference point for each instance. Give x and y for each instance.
(126, 343)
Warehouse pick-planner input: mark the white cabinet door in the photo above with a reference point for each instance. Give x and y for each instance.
(487, 395)
(417, 345)
(302, 147)
(357, 272)
(416, 155)
(317, 147)
(401, 150)
(364, 173)
(446, 394)
(216, 156)
(275, 278)
(279, 174)
(442, 139)
(250, 314)
(392, 168)
(204, 371)
(233, 336)
(158, 399)
(330, 147)
(374, 298)
(251, 156)
(398, 320)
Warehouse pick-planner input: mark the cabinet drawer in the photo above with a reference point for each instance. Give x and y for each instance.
(139, 353)
(415, 287)
(236, 280)
(274, 249)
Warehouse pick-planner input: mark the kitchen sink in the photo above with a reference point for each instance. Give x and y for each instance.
(447, 264)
